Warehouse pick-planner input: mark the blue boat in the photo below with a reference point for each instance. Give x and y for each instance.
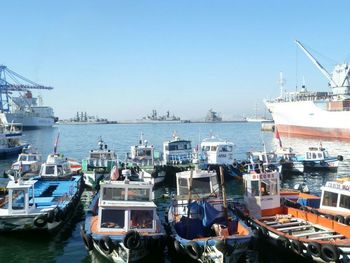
(122, 223)
(43, 203)
(10, 143)
(201, 225)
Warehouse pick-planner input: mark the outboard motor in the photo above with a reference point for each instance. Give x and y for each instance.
(340, 157)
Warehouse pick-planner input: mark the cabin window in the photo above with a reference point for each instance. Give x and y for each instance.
(344, 201)
(201, 186)
(141, 219)
(326, 154)
(23, 158)
(320, 155)
(314, 156)
(138, 194)
(173, 147)
(18, 201)
(112, 218)
(226, 148)
(31, 158)
(50, 169)
(59, 170)
(255, 188)
(95, 156)
(330, 199)
(113, 194)
(213, 148)
(206, 148)
(308, 155)
(182, 184)
(148, 153)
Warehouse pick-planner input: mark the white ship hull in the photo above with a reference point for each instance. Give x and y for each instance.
(28, 120)
(309, 118)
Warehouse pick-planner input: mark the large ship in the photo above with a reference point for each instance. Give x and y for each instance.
(155, 118)
(317, 114)
(23, 108)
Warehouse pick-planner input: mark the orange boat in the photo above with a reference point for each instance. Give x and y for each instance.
(302, 231)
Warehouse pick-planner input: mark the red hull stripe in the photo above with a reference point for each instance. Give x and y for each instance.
(300, 131)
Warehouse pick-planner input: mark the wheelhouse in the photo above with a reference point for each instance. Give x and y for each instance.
(217, 151)
(177, 150)
(126, 205)
(336, 195)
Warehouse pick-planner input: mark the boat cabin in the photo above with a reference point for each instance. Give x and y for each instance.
(204, 183)
(126, 205)
(177, 151)
(142, 153)
(217, 151)
(20, 196)
(261, 193)
(55, 166)
(27, 162)
(336, 195)
(100, 158)
(316, 153)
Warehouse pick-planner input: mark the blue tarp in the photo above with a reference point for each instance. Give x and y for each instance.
(207, 212)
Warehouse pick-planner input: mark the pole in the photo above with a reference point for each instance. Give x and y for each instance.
(223, 192)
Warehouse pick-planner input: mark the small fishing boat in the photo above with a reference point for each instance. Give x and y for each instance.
(264, 160)
(318, 158)
(148, 160)
(202, 224)
(177, 151)
(28, 164)
(215, 153)
(288, 159)
(98, 164)
(295, 229)
(42, 203)
(10, 143)
(122, 223)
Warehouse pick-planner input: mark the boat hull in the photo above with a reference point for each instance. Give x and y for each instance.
(27, 120)
(8, 152)
(309, 118)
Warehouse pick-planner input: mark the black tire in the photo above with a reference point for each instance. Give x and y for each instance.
(40, 220)
(132, 240)
(315, 211)
(283, 242)
(178, 248)
(314, 249)
(193, 250)
(59, 215)
(347, 220)
(106, 244)
(329, 253)
(51, 216)
(331, 217)
(297, 246)
(339, 219)
(87, 239)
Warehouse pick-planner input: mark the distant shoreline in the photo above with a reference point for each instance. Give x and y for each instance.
(140, 122)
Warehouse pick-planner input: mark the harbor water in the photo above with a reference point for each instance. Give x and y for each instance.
(76, 141)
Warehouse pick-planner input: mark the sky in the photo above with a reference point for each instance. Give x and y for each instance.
(122, 59)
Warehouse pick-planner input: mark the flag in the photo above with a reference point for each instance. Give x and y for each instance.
(56, 143)
(114, 173)
(277, 136)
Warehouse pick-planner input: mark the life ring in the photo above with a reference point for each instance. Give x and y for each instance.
(331, 217)
(339, 219)
(305, 208)
(87, 239)
(283, 242)
(347, 220)
(40, 220)
(314, 249)
(329, 253)
(193, 250)
(132, 240)
(106, 244)
(297, 246)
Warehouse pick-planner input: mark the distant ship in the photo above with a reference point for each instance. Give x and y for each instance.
(321, 114)
(155, 118)
(24, 109)
(83, 118)
(212, 116)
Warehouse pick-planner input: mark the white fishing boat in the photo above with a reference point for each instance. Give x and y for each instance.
(177, 151)
(316, 114)
(28, 164)
(289, 161)
(98, 164)
(122, 223)
(10, 143)
(43, 203)
(201, 223)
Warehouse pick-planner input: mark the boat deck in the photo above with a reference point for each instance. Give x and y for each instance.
(300, 228)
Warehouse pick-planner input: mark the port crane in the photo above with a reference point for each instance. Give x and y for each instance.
(19, 84)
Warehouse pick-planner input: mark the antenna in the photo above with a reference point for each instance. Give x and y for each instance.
(281, 83)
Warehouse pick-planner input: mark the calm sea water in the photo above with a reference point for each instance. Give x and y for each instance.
(76, 140)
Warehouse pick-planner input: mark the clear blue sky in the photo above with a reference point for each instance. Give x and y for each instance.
(121, 59)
